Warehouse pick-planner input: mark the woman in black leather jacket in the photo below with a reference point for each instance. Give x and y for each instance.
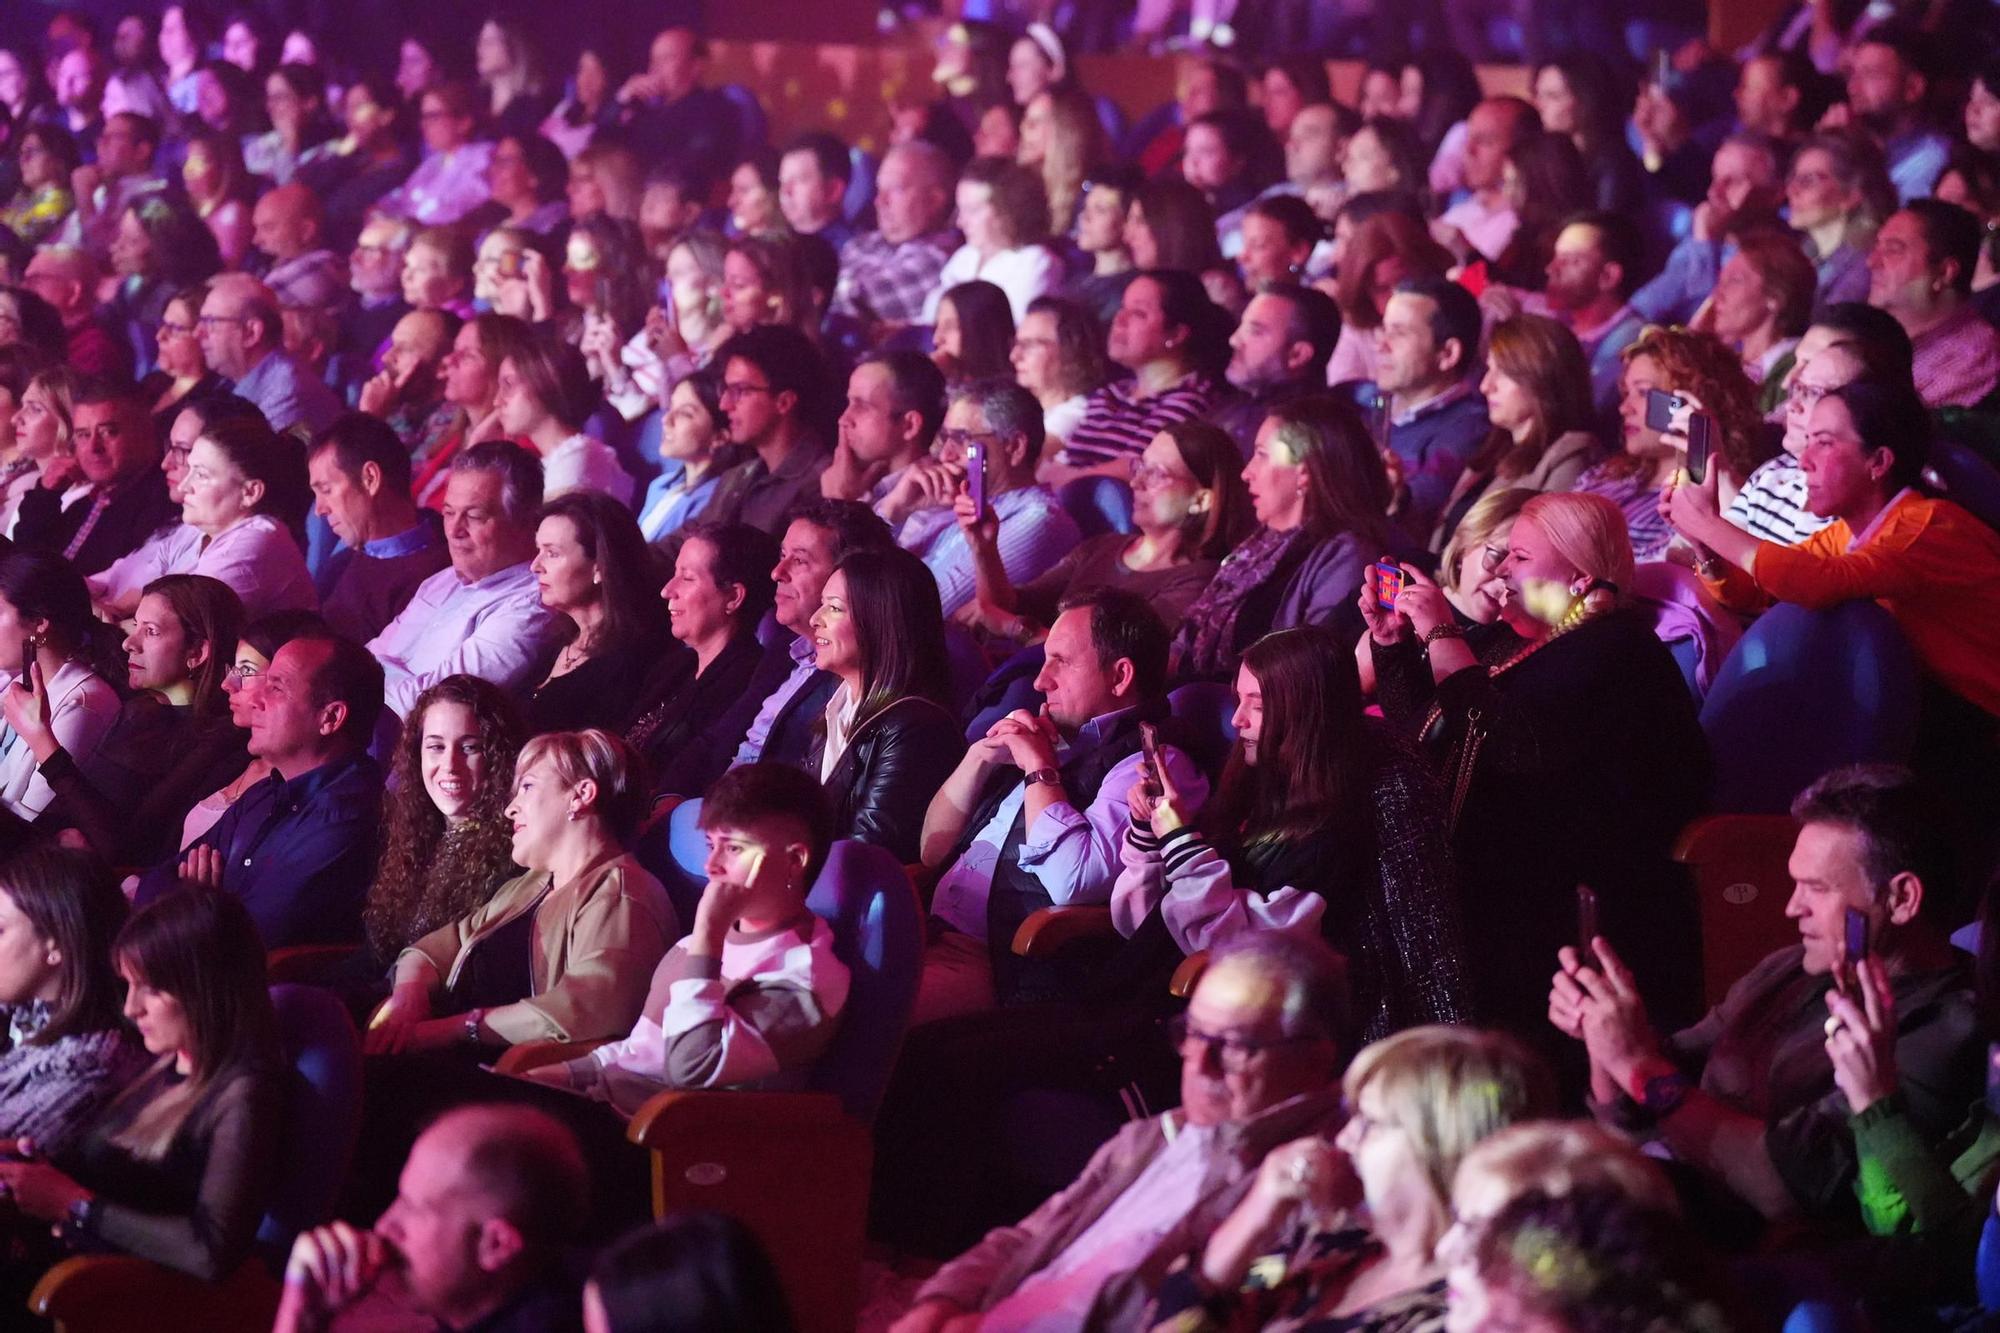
(888, 739)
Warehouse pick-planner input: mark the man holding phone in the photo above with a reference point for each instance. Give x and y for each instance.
(1747, 1097)
(1021, 525)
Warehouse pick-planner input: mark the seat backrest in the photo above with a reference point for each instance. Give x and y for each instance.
(1207, 711)
(1098, 504)
(1965, 479)
(1741, 866)
(967, 662)
(674, 851)
(1804, 692)
(323, 1120)
(878, 931)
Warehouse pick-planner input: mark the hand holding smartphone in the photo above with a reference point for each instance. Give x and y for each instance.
(975, 477)
(1389, 583)
(28, 665)
(1854, 948)
(1662, 409)
(1149, 762)
(1586, 926)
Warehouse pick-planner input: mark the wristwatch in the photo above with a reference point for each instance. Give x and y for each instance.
(472, 1018)
(1052, 776)
(1662, 1094)
(80, 1217)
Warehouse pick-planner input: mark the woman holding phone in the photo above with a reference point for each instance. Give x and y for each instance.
(1322, 821)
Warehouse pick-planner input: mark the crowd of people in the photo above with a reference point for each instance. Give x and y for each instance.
(1305, 532)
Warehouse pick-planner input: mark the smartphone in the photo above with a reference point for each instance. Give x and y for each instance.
(1701, 433)
(513, 263)
(1389, 581)
(28, 665)
(1857, 937)
(1586, 925)
(1149, 749)
(1993, 1077)
(1660, 408)
(975, 476)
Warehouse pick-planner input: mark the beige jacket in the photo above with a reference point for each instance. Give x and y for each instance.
(597, 940)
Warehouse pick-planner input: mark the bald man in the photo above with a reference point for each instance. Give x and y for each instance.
(487, 1202)
(288, 228)
(242, 339)
(67, 279)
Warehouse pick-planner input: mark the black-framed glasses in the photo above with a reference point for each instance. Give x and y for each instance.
(964, 439)
(1232, 1051)
(730, 392)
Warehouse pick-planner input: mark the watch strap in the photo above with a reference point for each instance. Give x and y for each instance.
(1051, 776)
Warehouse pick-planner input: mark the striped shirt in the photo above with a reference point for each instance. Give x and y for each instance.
(1772, 504)
(1117, 423)
(1035, 533)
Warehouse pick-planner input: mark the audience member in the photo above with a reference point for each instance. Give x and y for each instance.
(788, 695)
(1762, 301)
(50, 654)
(889, 736)
(360, 478)
(241, 340)
(668, 113)
(544, 397)
(1432, 417)
(1887, 83)
(44, 435)
(717, 597)
(478, 1236)
(1846, 341)
(1708, 378)
(408, 392)
(451, 180)
(1537, 391)
(687, 1271)
(1417, 1103)
(1783, 1145)
(1929, 561)
(597, 575)
(117, 465)
(46, 158)
(1189, 509)
(1267, 1027)
(174, 740)
(772, 387)
(887, 275)
(895, 405)
(67, 1054)
(67, 279)
(296, 847)
(1003, 212)
(1320, 496)
(221, 188)
(1033, 816)
(179, 1167)
(483, 616)
(1058, 356)
(121, 174)
(1591, 717)
(178, 375)
(1174, 341)
(1483, 223)
(1920, 271)
(471, 384)
(694, 436)
(600, 922)
(447, 844)
(1746, 186)
(814, 174)
(974, 335)
(1019, 527)
(161, 255)
(1278, 353)
(1838, 195)
(1100, 235)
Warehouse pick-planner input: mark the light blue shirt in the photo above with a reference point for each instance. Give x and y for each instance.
(496, 629)
(1035, 533)
(287, 395)
(803, 670)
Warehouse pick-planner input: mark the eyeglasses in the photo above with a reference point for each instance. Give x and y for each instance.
(170, 326)
(1802, 394)
(1232, 1052)
(244, 671)
(731, 392)
(963, 439)
(179, 451)
(1492, 557)
(1145, 474)
(210, 321)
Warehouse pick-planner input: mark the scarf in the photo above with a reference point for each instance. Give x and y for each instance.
(1205, 643)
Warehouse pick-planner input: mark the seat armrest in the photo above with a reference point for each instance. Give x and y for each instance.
(523, 1056)
(1188, 974)
(1050, 930)
(669, 1117)
(93, 1292)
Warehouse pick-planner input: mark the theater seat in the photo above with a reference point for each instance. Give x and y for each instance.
(1207, 713)
(674, 851)
(1964, 478)
(1742, 881)
(794, 1166)
(1807, 691)
(107, 1292)
(1098, 504)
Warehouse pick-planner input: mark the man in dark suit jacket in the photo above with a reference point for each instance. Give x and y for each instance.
(117, 455)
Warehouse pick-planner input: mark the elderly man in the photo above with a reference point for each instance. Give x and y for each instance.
(887, 275)
(360, 477)
(67, 279)
(1481, 224)
(1920, 271)
(288, 227)
(1259, 1046)
(242, 339)
(486, 1207)
(409, 391)
(483, 616)
(375, 273)
(1024, 527)
(116, 454)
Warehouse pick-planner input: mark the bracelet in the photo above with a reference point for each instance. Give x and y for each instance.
(1448, 630)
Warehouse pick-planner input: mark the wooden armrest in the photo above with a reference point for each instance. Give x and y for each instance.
(673, 1116)
(1188, 974)
(523, 1056)
(1050, 930)
(301, 962)
(107, 1291)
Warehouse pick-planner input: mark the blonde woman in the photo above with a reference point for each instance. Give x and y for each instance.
(1062, 138)
(42, 436)
(1418, 1102)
